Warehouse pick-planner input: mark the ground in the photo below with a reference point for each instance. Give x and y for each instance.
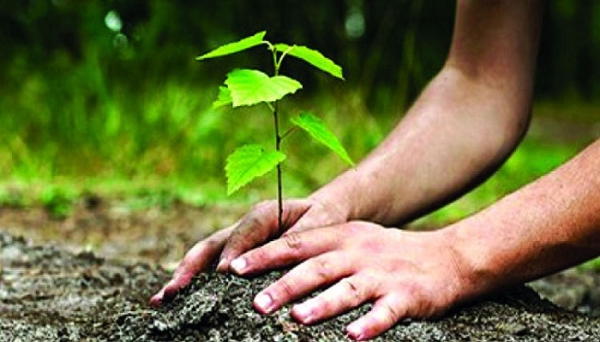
(88, 277)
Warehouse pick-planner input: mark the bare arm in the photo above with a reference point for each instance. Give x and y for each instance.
(547, 226)
(461, 128)
(551, 224)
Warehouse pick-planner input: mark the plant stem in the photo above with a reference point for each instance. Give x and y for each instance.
(279, 180)
(278, 138)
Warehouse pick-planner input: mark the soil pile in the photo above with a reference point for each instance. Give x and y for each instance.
(49, 294)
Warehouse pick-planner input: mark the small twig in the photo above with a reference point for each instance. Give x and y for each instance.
(288, 132)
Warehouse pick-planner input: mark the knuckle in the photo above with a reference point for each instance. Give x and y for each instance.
(264, 206)
(212, 243)
(322, 268)
(257, 256)
(284, 289)
(389, 314)
(372, 278)
(413, 290)
(293, 241)
(251, 220)
(356, 293)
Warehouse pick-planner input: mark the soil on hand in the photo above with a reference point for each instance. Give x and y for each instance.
(64, 293)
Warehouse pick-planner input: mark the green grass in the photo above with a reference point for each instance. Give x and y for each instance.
(532, 159)
(169, 147)
(79, 134)
(160, 142)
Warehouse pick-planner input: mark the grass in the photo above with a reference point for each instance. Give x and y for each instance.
(160, 142)
(63, 140)
(532, 159)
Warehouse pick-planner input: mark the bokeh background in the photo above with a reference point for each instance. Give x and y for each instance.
(107, 97)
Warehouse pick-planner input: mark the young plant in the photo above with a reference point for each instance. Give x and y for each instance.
(247, 87)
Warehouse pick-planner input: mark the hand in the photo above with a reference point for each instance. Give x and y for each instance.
(255, 228)
(405, 274)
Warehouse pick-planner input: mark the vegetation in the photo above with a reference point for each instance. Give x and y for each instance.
(110, 102)
(247, 87)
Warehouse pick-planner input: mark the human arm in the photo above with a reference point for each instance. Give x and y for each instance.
(461, 128)
(547, 226)
(464, 124)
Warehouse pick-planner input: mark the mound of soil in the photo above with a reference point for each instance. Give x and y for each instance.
(50, 294)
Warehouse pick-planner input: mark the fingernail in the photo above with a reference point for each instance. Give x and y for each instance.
(155, 300)
(303, 313)
(238, 265)
(264, 302)
(222, 265)
(355, 331)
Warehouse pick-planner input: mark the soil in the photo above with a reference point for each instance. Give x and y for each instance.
(95, 285)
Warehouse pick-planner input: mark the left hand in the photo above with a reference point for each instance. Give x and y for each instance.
(405, 274)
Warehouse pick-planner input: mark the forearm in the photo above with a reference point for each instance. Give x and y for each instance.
(447, 141)
(464, 124)
(552, 224)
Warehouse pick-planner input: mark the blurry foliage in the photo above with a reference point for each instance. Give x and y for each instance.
(157, 39)
(533, 158)
(57, 201)
(99, 89)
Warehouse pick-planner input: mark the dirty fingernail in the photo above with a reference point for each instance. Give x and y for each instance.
(238, 265)
(355, 331)
(264, 302)
(222, 265)
(155, 300)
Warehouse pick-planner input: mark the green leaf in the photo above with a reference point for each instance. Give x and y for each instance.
(231, 48)
(312, 57)
(223, 99)
(249, 162)
(316, 129)
(249, 87)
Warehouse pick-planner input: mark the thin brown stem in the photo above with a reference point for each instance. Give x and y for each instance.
(278, 139)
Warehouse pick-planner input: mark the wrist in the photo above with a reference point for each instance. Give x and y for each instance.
(339, 197)
(473, 260)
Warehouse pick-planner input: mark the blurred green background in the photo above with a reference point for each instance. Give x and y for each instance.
(106, 96)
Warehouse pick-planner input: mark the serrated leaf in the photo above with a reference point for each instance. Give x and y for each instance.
(317, 129)
(313, 57)
(223, 98)
(248, 162)
(249, 87)
(234, 47)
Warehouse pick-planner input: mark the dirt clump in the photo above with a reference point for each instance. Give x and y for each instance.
(50, 294)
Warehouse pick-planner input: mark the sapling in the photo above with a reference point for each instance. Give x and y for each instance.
(247, 87)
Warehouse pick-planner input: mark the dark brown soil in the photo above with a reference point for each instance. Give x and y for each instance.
(66, 293)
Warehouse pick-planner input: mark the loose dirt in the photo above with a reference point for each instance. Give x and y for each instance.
(95, 286)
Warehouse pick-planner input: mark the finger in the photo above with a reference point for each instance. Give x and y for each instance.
(288, 249)
(196, 260)
(386, 312)
(345, 295)
(261, 225)
(303, 279)
(253, 229)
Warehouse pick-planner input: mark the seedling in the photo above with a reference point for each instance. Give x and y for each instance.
(247, 87)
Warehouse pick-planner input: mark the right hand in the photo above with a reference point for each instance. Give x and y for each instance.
(254, 229)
